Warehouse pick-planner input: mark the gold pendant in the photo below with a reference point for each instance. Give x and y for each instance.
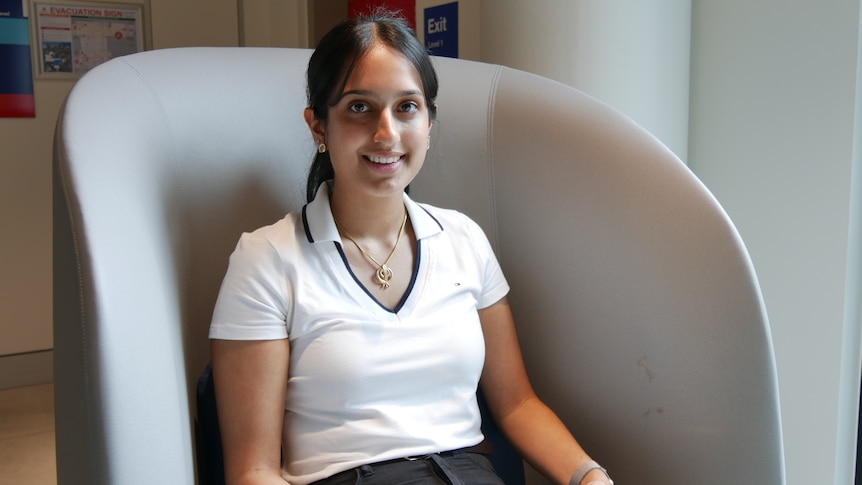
(384, 275)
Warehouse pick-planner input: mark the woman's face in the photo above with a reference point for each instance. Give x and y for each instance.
(378, 131)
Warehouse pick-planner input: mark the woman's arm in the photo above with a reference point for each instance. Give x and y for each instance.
(250, 384)
(532, 428)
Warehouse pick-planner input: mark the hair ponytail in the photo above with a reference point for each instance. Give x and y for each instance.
(321, 170)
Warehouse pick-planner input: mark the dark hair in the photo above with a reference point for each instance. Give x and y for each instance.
(336, 56)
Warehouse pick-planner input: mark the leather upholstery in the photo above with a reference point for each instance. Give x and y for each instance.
(638, 309)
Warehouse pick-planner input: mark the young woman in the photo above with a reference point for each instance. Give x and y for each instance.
(349, 338)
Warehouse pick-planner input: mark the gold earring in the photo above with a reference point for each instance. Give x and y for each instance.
(321, 147)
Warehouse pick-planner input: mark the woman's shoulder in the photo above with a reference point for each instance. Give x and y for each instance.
(451, 219)
(443, 213)
(276, 233)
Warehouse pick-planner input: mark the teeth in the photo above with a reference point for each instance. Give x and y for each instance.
(384, 160)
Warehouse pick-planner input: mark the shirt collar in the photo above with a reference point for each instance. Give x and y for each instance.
(320, 225)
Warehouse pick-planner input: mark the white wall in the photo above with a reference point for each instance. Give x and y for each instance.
(265, 23)
(774, 84)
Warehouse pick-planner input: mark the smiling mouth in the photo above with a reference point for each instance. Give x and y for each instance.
(383, 160)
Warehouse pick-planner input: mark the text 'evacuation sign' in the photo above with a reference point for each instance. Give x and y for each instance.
(441, 30)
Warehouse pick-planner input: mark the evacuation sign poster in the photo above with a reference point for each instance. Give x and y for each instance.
(441, 30)
(75, 38)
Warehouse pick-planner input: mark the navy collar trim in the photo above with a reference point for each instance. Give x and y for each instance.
(319, 225)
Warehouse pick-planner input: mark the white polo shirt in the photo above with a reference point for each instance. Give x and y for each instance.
(365, 383)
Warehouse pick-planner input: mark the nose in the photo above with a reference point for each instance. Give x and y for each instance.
(387, 132)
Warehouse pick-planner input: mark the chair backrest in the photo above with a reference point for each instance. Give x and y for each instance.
(637, 307)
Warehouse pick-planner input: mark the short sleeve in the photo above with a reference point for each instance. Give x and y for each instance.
(251, 304)
(495, 286)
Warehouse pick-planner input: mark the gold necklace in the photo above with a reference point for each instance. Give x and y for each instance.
(384, 272)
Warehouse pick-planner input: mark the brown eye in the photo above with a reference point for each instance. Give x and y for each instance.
(358, 107)
(410, 107)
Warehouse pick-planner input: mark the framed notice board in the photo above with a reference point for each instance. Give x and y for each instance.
(70, 37)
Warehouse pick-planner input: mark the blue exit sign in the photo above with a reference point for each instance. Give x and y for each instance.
(12, 9)
(441, 30)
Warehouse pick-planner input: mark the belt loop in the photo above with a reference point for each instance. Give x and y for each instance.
(444, 469)
(363, 471)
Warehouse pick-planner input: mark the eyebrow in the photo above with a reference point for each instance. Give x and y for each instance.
(371, 94)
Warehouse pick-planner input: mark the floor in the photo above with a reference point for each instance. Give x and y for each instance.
(27, 436)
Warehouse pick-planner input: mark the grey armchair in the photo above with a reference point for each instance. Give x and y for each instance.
(637, 307)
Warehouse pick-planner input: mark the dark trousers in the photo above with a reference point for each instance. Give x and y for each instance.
(449, 468)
